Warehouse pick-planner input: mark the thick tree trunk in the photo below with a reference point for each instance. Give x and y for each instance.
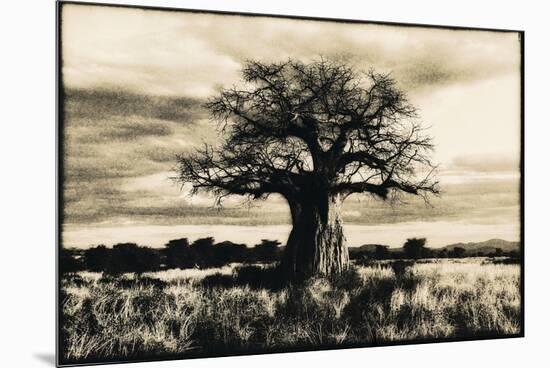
(316, 244)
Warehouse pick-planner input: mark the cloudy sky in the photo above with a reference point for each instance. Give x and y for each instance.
(134, 81)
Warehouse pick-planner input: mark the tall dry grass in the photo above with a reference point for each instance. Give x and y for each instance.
(210, 312)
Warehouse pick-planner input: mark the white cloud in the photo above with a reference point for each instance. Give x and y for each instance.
(171, 53)
(479, 118)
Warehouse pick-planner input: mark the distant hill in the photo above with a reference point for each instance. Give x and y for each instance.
(486, 247)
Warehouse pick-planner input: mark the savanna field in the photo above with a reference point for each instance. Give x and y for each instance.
(243, 308)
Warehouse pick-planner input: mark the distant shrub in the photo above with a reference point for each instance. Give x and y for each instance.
(266, 251)
(129, 257)
(68, 263)
(507, 260)
(370, 252)
(227, 252)
(415, 248)
(459, 252)
(444, 253)
(381, 251)
(203, 250)
(97, 258)
(178, 254)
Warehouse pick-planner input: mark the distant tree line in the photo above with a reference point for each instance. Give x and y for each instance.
(415, 248)
(206, 253)
(178, 253)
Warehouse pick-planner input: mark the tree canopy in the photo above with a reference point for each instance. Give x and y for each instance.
(291, 124)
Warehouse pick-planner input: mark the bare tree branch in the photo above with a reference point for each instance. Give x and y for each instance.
(293, 126)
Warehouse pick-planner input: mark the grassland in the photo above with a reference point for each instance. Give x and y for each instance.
(234, 310)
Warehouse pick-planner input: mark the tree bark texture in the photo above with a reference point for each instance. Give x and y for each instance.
(316, 244)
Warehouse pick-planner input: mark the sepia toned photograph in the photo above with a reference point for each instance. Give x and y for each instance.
(233, 184)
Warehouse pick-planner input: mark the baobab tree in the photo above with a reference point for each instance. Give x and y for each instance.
(314, 133)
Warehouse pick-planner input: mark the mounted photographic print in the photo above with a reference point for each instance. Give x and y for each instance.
(237, 184)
